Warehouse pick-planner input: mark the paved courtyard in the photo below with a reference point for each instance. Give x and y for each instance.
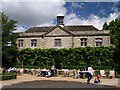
(31, 81)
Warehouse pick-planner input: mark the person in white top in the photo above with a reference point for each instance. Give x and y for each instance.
(89, 74)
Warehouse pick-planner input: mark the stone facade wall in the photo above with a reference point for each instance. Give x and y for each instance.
(91, 41)
(48, 42)
(67, 39)
(27, 42)
(106, 41)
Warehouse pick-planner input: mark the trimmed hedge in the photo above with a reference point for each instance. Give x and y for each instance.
(117, 76)
(69, 67)
(30, 67)
(85, 67)
(103, 67)
(74, 67)
(8, 76)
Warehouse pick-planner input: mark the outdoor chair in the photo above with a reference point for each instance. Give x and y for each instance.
(112, 74)
(61, 72)
(27, 71)
(38, 72)
(102, 73)
(21, 70)
(33, 71)
(75, 73)
(57, 72)
(65, 72)
(71, 73)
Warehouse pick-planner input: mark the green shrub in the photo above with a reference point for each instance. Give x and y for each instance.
(8, 76)
(102, 67)
(74, 67)
(117, 76)
(85, 67)
(97, 72)
(30, 67)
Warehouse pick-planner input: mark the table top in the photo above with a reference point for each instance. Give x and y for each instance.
(83, 71)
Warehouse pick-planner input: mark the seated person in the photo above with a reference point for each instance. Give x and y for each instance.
(97, 79)
(43, 72)
(53, 70)
(48, 73)
(53, 67)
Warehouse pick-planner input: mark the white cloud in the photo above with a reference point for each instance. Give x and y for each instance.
(33, 13)
(46, 24)
(43, 12)
(91, 0)
(32, 0)
(19, 29)
(77, 5)
(73, 19)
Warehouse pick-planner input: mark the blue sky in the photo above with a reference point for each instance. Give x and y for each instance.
(43, 13)
(84, 9)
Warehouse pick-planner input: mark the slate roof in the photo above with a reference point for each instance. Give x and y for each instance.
(72, 30)
(81, 28)
(39, 29)
(69, 28)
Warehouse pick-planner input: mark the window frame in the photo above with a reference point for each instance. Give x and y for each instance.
(83, 42)
(58, 42)
(33, 42)
(20, 43)
(98, 42)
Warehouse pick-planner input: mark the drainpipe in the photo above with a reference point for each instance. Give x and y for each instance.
(42, 42)
(72, 41)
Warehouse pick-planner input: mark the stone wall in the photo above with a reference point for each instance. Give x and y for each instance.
(47, 39)
(67, 42)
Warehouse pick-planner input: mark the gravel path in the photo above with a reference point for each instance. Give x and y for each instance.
(31, 81)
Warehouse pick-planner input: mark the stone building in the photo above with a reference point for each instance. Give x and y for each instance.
(62, 36)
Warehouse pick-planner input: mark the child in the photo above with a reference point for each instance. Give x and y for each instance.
(97, 79)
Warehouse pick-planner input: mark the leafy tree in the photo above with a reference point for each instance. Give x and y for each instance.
(114, 27)
(9, 48)
(116, 57)
(114, 31)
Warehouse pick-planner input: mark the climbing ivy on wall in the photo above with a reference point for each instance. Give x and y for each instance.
(96, 56)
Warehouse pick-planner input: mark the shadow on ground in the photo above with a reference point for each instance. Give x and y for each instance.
(57, 84)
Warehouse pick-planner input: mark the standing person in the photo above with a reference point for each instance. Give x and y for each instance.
(53, 70)
(89, 74)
